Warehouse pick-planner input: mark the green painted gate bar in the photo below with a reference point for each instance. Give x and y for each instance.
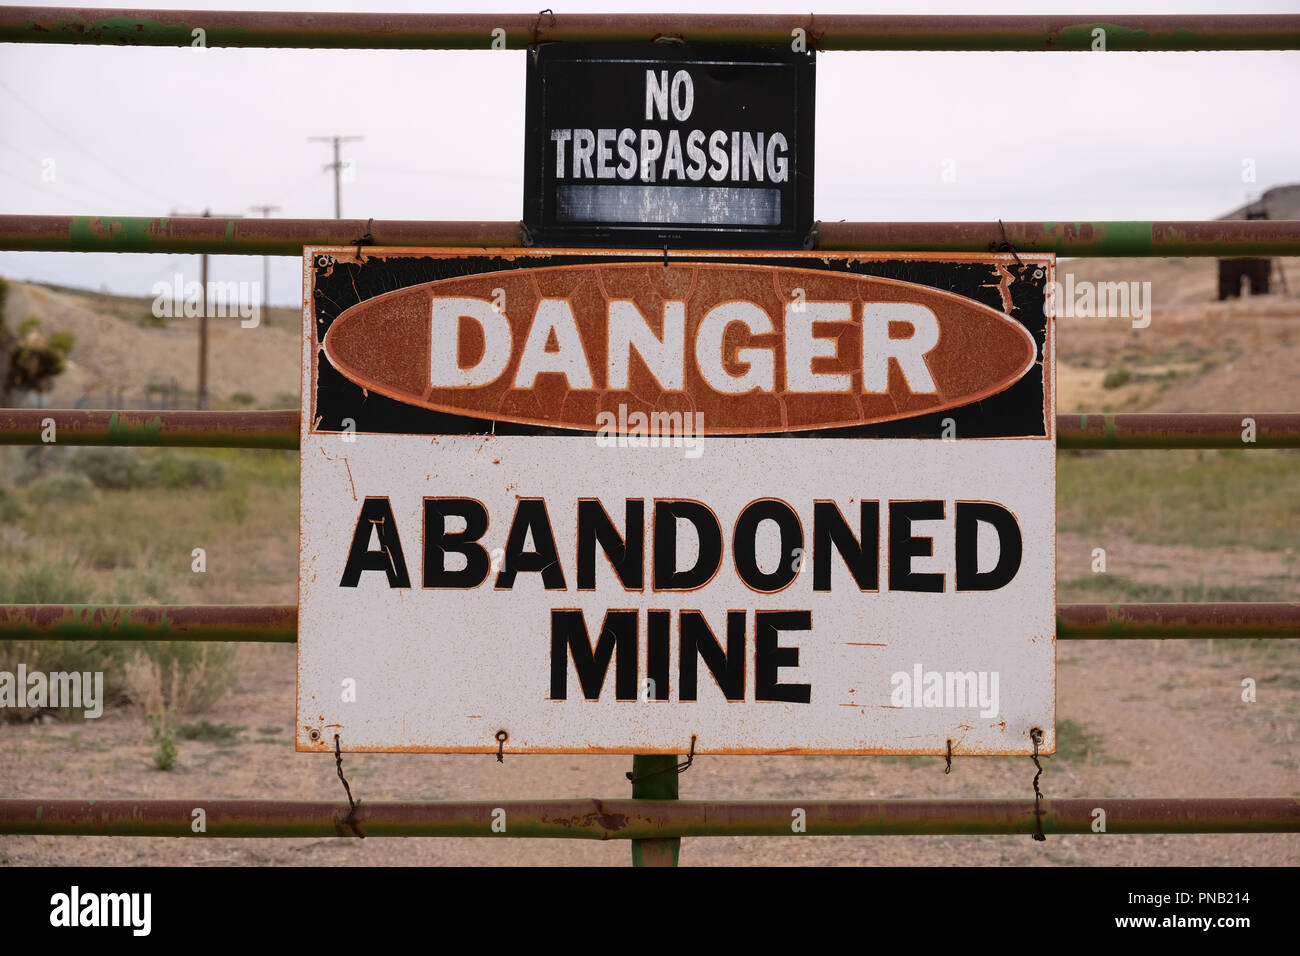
(644, 821)
(278, 624)
(494, 31)
(287, 237)
(280, 429)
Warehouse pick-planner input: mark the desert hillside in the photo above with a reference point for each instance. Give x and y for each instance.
(120, 346)
(1195, 355)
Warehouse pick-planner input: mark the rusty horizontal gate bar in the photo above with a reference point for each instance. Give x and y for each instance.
(280, 429)
(594, 819)
(175, 429)
(278, 623)
(1090, 622)
(287, 237)
(478, 31)
(1177, 430)
(247, 623)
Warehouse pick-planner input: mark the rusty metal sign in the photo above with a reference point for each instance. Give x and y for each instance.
(768, 502)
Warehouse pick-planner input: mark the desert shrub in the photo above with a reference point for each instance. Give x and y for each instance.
(105, 657)
(1116, 377)
(45, 582)
(104, 552)
(114, 468)
(164, 758)
(25, 465)
(141, 587)
(60, 488)
(56, 582)
(10, 509)
(123, 469)
(185, 676)
(177, 471)
(160, 675)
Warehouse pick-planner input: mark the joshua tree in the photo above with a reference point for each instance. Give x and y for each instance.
(30, 359)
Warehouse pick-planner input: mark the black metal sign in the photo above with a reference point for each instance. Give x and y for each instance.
(669, 145)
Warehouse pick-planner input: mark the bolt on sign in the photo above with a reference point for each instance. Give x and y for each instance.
(661, 144)
(780, 502)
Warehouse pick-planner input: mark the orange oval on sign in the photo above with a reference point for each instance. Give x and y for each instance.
(753, 348)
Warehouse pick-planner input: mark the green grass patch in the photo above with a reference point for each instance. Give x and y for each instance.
(1281, 681)
(223, 735)
(122, 524)
(1076, 744)
(1112, 588)
(1210, 593)
(1199, 497)
(910, 762)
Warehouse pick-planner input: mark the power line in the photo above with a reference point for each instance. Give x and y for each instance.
(23, 153)
(63, 193)
(77, 146)
(442, 173)
(40, 163)
(20, 180)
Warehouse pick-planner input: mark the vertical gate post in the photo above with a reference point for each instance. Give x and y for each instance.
(661, 786)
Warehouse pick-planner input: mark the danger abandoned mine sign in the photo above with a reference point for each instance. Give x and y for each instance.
(778, 502)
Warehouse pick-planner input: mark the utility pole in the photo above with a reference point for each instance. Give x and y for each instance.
(337, 165)
(266, 260)
(201, 401)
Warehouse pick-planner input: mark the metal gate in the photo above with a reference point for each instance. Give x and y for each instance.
(653, 819)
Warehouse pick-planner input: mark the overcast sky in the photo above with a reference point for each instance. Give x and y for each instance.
(1050, 136)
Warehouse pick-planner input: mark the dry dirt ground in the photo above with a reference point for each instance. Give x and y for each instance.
(1156, 719)
(1136, 718)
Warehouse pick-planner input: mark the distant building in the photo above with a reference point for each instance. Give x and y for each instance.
(1280, 202)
